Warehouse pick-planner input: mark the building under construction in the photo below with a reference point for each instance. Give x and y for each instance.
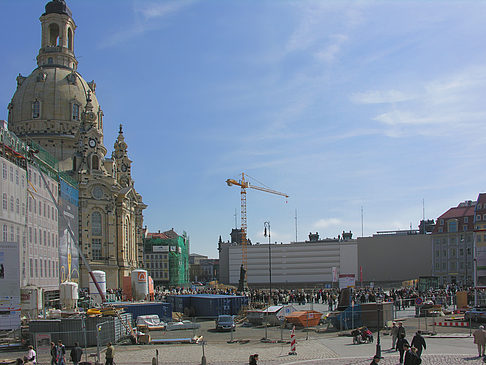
(166, 258)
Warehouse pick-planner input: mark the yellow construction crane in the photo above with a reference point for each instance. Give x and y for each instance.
(245, 185)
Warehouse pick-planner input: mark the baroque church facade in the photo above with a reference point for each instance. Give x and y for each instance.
(56, 108)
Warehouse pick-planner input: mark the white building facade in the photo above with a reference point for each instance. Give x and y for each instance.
(13, 192)
(292, 265)
(42, 255)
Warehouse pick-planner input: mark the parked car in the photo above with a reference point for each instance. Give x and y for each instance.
(225, 323)
(477, 314)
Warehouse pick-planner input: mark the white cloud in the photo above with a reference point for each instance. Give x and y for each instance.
(381, 97)
(327, 223)
(147, 18)
(448, 105)
(316, 19)
(157, 10)
(331, 51)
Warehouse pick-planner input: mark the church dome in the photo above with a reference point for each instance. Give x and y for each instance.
(47, 107)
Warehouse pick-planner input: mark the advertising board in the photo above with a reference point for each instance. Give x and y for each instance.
(346, 281)
(68, 252)
(160, 248)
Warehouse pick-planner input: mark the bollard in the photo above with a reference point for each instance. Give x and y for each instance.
(203, 358)
(292, 342)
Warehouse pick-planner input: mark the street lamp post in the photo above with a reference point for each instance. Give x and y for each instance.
(378, 344)
(266, 232)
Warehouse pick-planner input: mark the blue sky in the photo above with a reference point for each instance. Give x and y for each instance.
(340, 104)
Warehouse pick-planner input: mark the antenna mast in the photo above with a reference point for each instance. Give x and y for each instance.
(362, 224)
(296, 226)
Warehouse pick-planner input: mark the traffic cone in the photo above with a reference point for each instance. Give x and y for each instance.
(292, 342)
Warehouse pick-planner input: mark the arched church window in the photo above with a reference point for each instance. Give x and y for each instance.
(95, 162)
(53, 34)
(70, 39)
(75, 111)
(36, 109)
(96, 229)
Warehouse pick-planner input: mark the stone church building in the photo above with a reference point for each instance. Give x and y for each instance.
(56, 108)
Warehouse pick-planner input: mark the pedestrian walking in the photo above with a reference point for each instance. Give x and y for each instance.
(29, 358)
(376, 360)
(394, 334)
(61, 353)
(253, 359)
(109, 354)
(480, 340)
(411, 357)
(402, 346)
(76, 353)
(53, 354)
(401, 330)
(419, 343)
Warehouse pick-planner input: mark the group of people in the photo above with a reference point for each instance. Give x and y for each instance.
(410, 354)
(58, 353)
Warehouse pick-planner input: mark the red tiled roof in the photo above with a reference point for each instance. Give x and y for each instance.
(157, 235)
(482, 201)
(459, 213)
(171, 234)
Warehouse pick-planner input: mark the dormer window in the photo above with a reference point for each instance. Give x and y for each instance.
(75, 111)
(36, 109)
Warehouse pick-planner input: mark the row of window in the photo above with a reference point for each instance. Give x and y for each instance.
(453, 252)
(44, 268)
(454, 239)
(12, 236)
(452, 266)
(37, 181)
(43, 237)
(14, 205)
(479, 217)
(36, 110)
(156, 265)
(453, 228)
(75, 111)
(45, 209)
(156, 257)
(159, 275)
(14, 175)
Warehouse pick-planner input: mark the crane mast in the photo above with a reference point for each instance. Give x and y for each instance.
(244, 184)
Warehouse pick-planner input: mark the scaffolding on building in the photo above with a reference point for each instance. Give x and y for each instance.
(178, 255)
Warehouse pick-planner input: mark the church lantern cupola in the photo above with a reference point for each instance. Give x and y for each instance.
(57, 44)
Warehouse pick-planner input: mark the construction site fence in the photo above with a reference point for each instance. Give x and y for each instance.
(93, 330)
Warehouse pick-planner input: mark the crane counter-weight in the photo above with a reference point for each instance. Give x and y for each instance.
(244, 184)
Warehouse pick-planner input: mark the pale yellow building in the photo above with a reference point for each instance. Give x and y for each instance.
(55, 107)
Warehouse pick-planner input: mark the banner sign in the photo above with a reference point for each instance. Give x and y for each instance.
(68, 253)
(346, 281)
(160, 248)
(9, 286)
